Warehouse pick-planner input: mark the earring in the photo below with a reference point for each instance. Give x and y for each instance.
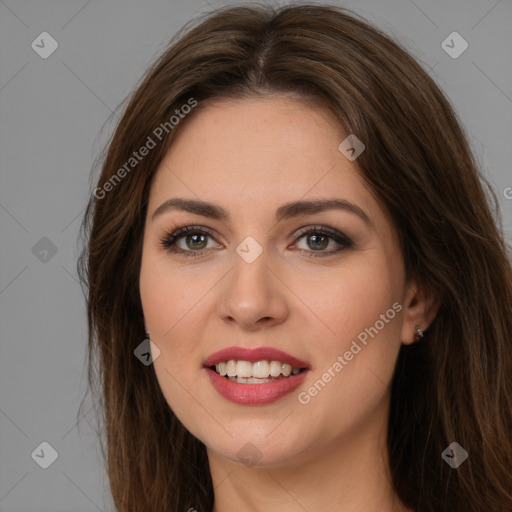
(147, 333)
(419, 334)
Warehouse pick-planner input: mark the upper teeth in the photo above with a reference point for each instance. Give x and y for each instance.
(259, 369)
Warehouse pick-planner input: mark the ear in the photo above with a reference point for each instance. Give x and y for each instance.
(420, 309)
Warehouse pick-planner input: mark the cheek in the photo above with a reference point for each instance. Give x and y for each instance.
(358, 323)
(173, 312)
(342, 302)
(168, 299)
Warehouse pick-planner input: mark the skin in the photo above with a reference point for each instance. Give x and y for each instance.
(250, 157)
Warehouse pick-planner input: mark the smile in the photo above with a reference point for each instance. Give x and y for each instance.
(254, 376)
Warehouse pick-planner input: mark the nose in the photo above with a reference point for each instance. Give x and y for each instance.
(254, 297)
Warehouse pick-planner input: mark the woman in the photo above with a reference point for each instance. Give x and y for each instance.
(290, 211)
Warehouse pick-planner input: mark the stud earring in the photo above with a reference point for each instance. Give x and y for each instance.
(419, 334)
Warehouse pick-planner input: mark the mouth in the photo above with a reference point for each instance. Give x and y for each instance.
(254, 376)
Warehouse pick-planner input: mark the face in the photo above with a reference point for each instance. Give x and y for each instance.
(252, 278)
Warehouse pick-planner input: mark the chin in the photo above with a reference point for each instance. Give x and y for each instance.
(254, 450)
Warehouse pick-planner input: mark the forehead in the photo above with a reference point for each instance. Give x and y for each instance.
(259, 152)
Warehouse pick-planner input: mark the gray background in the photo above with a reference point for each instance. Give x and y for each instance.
(54, 122)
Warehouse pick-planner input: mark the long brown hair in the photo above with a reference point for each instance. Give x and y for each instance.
(455, 385)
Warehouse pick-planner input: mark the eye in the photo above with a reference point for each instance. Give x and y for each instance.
(319, 238)
(194, 238)
(192, 241)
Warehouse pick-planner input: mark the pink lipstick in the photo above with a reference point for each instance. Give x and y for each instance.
(255, 376)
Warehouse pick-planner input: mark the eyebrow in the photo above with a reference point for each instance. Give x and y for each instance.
(287, 211)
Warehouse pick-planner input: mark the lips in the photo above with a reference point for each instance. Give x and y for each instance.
(255, 394)
(269, 390)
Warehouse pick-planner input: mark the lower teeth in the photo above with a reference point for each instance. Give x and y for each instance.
(253, 380)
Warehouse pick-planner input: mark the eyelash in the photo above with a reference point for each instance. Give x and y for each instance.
(169, 240)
